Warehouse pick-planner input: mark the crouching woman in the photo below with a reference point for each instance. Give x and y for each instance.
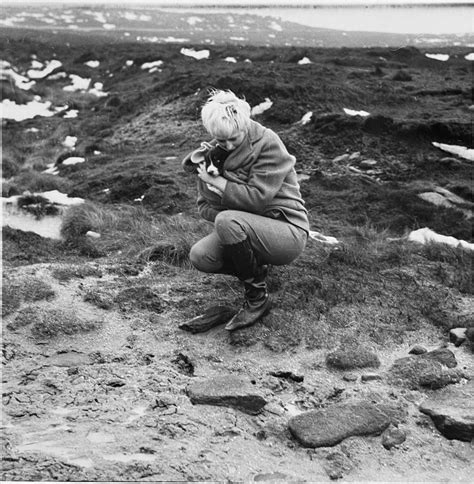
(254, 202)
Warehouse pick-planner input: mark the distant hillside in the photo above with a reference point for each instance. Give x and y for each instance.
(160, 26)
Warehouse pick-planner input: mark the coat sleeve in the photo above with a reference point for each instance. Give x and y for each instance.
(209, 204)
(266, 177)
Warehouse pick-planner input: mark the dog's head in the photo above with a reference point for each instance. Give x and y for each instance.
(212, 156)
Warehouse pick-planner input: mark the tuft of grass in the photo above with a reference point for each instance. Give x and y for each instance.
(40, 182)
(36, 289)
(24, 318)
(11, 297)
(54, 322)
(99, 299)
(134, 231)
(351, 356)
(66, 273)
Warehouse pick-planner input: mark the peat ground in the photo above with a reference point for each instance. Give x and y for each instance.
(96, 371)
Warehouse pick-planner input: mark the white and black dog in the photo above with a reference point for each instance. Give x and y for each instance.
(212, 156)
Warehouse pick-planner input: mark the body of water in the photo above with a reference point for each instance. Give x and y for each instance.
(388, 19)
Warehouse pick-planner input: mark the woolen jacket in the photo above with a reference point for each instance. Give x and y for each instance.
(261, 179)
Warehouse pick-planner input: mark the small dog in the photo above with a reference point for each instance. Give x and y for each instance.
(212, 156)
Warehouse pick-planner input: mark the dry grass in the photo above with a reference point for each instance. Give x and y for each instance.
(134, 231)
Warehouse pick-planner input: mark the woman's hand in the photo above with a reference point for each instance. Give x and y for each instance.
(218, 181)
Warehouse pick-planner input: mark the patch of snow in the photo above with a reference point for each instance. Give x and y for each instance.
(237, 38)
(276, 26)
(73, 113)
(19, 112)
(440, 57)
(262, 107)
(325, 239)
(174, 39)
(97, 152)
(59, 75)
(52, 169)
(303, 61)
(200, 54)
(194, 20)
(461, 151)
(78, 83)
(109, 26)
(92, 234)
(135, 16)
(306, 118)
(97, 90)
(351, 112)
(426, 235)
(73, 160)
(92, 63)
(55, 196)
(469, 57)
(50, 67)
(20, 81)
(150, 65)
(129, 63)
(230, 59)
(32, 130)
(247, 60)
(70, 141)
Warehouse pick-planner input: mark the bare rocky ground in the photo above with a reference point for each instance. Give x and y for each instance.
(99, 381)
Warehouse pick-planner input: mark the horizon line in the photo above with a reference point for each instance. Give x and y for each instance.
(248, 4)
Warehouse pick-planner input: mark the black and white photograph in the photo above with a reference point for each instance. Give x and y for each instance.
(237, 241)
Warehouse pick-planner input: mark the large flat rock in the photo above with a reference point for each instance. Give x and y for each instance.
(452, 411)
(229, 391)
(331, 425)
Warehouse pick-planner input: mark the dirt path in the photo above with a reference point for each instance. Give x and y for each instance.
(111, 404)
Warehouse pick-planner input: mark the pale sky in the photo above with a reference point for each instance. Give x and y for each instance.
(249, 3)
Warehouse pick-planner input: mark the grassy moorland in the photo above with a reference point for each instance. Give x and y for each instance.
(95, 365)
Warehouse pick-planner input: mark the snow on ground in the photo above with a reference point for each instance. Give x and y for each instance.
(78, 83)
(199, 54)
(351, 112)
(92, 63)
(306, 118)
(440, 57)
(151, 65)
(426, 236)
(19, 112)
(260, 108)
(73, 160)
(70, 141)
(461, 151)
(41, 74)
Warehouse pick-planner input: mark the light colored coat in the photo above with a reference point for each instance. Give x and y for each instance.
(261, 179)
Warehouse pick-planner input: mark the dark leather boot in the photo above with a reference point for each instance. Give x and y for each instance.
(253, 275)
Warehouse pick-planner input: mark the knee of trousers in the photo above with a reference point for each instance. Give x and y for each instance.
(229, 227)
(202, 260)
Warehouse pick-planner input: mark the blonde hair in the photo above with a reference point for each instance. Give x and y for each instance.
(224, 114)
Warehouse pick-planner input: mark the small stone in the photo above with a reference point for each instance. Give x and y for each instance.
(370, 377)
(457, 336)
(393, 437)
(452, 411)
(418, 350)
(92, 234)
(350, 377)
(229, 391)
(329, 426)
